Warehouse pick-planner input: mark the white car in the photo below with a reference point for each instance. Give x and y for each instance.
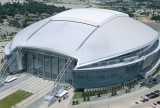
(153, 106)
(10, 79)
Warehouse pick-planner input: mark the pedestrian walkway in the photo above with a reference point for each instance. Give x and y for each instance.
(27, 82)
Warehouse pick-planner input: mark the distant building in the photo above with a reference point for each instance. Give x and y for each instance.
(154, 3)
(103, 1)
(106, 1)
(121, 5)
(32, 15)
(18, 16)
(45, 14)
(127, 0)
(9, 18)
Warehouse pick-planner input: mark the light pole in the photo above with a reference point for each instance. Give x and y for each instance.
(108, 99)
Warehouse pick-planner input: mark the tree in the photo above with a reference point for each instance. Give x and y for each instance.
(99, 95)
(115, 92)
(77, 102)
(73, 103)
(126, 91)
(3, 17)
(1, 21)
(1, 60)
(84, 99)
(149, 85)
(88, 99)
(25, 24)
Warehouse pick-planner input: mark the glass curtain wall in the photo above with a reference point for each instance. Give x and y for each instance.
(55, 67)
(44, 65)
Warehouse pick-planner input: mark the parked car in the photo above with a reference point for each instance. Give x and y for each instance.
(158, 102)
(136, 102)
(155, 104)
(152, 93)
(157, 94)
(154, 83)
(10, 79)
(156, 91)
(154, 79)
(148, 95)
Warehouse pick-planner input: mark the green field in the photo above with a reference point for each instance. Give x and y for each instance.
(77, 94)
(14, 98)
(82, 94)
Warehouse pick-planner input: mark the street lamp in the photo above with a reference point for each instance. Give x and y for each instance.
(108, 99)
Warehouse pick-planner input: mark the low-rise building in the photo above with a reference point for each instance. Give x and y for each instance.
(18, 16)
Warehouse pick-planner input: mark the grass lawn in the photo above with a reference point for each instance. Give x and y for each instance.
(79, 94)
(83, 94)
(14, 98)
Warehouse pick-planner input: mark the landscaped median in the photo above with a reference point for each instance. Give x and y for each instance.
(14, 98)
(102, 93)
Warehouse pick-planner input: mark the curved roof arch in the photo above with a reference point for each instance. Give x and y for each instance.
(90, 35)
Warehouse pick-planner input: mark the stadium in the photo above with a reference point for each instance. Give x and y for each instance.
(107, 47)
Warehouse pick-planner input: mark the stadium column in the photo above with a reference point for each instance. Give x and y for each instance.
(43, 65)
(37, 65)
(32, 62)
(51, 68)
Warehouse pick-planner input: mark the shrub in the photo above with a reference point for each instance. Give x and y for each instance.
(149, 85)
(73, 103)
(112, 94)
(115, 93)
(84, 99)
(88, 99)
(126, 90)
(99, 95)
(77, 102)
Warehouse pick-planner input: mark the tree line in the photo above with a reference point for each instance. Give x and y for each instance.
(38, 8)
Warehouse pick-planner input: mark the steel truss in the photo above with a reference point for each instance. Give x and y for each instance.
(4, 70)
(59, 83)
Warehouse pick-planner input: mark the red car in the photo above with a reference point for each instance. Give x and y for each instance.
(145, 100)
(155, 104)
(157, 94)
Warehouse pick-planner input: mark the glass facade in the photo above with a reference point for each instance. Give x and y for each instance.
(133, 55)
(48, 65)
(105, 77)
(43, 64)
(93, 78)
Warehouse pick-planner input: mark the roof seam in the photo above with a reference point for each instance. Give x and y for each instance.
(87, 38)
(76, 22)
(38, 29)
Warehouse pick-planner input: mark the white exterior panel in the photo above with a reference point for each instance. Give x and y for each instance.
(90, 35)
(21, 37)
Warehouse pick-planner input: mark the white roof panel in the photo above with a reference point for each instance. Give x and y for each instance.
(62, 36)
(22, 36)
(96, 17)
(117, 37)
(90, 35)
(7, 48)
